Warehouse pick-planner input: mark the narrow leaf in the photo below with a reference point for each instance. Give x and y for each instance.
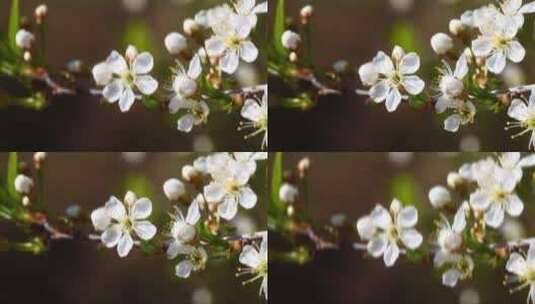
(276, 182)
(14, 23)
(279, 27)
(12, 172)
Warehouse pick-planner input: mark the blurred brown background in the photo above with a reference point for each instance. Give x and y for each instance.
(352, 183)
(77, 272)
(90, 30)
(355, 30)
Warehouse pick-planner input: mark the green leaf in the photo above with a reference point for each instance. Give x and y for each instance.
(150, 102)
(138, 34)
(12, 172)
(279, 27)
(276, 205)
(417, 102)
(403, 188)
(14, 23)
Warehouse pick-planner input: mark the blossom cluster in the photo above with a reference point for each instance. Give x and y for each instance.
(206, 201)
(489, 38)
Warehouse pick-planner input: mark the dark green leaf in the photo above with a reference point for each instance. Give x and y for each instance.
(12, 172)
(276, 205)
(279, 27)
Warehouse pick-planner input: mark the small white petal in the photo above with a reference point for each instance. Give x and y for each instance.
(452, 123)
(411, 238)
(414, 85)
(514, 206)
(408, 217)
(115, 208)
(229, 61)
(450, 277)
(143, 63)
(127, 100)
(409, 64)
(183, 269)
(146, 84)
(248, 51)
(110, 237)
(214, 192)
(481, 47)
(145, 230)
(496, 62)
(381, 217)
(366, 228)
(100, 219)
(515, 51)
(142, 208)
(247, 198)
(516, 264)
(377, 246)
(113, 91)
(494, 216)
(228, 208)
(125, 245)
(250, 257)
(393, 100)
(391, 254)
(379, 91)
(518, 110)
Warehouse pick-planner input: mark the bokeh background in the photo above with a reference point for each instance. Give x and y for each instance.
(351, 184)
(78, 272)
(355, 31)
(89, 31)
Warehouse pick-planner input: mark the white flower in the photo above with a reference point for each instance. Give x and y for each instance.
(23, 184)
(496, 196)
(497, 43)
(231, 42)
(249, 10)
(186, 97)
(515, 10)
(288, 193)
(257, 264)
(24, 39)
(449, 252)
(525, 116)
(119, 222)
(196, 258)
(385, 231)
(441, 43)
(173, 189)
(524, 270)
(451, 87)
(439, 196)
(512, 163)
(368, 74)
(395, 78)
(256, 112)
(175, 43)
(183, 231)
(121, 76)
(229, 187)
(248, 160)
(291, 40)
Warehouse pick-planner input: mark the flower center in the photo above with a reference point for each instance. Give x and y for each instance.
(500, 42)
(392, 233)
(127, 77)
(234, 42)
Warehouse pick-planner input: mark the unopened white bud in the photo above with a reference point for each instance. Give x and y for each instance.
(288, 193)
(23, 184)
(174, 189)
(39, 157)
(456, 27)
(439, 197)
(102, 74)
(185, 86)
(293, 57)
(26, 201)
(455, 180)
(441, 43)
(131, 53)
(189, 173)
(183, 231)
(190, 27)
(24, 39)
(368, 74)
(40, 12)
(130, 198)
(175, 43)
(291, 40)
(304, 164)
(451, 86)
(307, 11)
(341, 66)
(27, 56)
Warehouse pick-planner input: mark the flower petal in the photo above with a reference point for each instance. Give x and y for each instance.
(496, 62)
(127, 100)
(379, 91)
(452, 123)
(516, 264)
(514, 206)
(481, 47)
(117, 63)
(450, 277)
(393, 100)
(377, 246)
(408, 217)
(391, 254)
(143, 63)
(100, 218)
(215, 46)
(229, 61)
(112, 92)
(214, 192)
(366, 228)
(515, 51)
(110, 237)
(142, 208)
(381, 217)
(115, 208)
(183, 269)
(518, 110)
(145, 230)
(247, 198)
(250, 257)
(248, 51)
(480, 200)
(409, 64)
(125, 245)
(494, 216)
(228, 208)
(414, 85)
(411, 238)
(146, 84)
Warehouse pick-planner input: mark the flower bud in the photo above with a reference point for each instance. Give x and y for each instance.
(451, 86)
(26, 201)
(173, 189)
(307, 11)
(456, 27)
(27, 56)
(23, 184)
(291, 40)
(185, 86)
(183, 231)
(24, 39)
(341, 66)
(102, 74)
(175, 43)
(455, 180)
(130, 198)
(190, 27)
(189, 173)
(40, 13)
(131, 53)
(304, 164)
(39, 157)
(441, 43)
(293, 57)
(439, 197)
(288, 193)
(368, 74)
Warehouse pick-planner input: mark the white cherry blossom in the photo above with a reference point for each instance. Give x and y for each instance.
(386, 230)
(249, 9)
(515, 10)
(119, 222)
(395, 77)
(497, 43)
(523, 269)
(123, 78)
(256, 261)
(524, 114)
(183, 230)
(256, 112)
(513, 164)
(231, 42)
